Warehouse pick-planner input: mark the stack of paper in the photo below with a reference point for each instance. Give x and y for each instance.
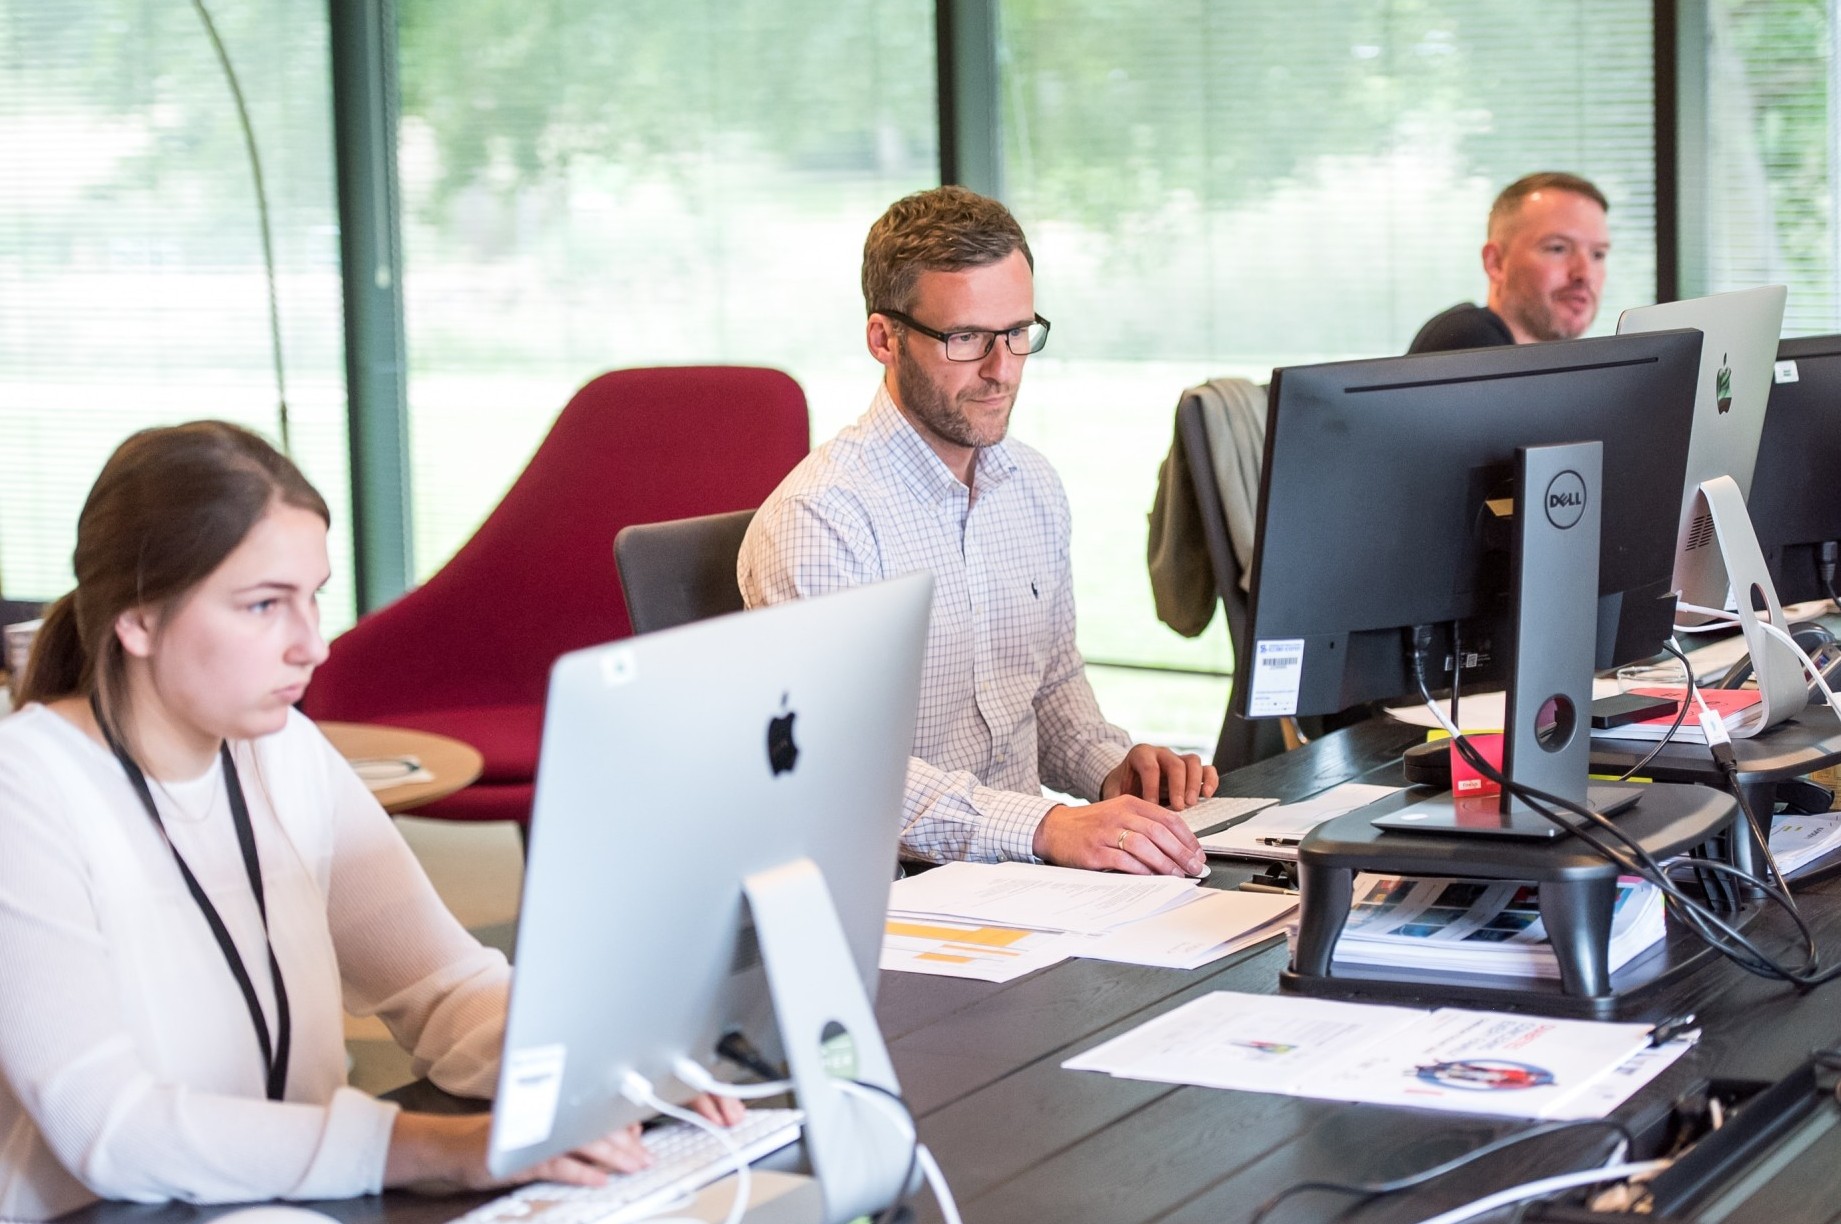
(1797, 841)
(998, 921)
(1493, 927)
(1450, 1059)
(1275, 832)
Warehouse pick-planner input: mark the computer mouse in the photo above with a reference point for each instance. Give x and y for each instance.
(272, 1213)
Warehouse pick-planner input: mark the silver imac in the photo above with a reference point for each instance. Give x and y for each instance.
(1737, 355)
(713, 837)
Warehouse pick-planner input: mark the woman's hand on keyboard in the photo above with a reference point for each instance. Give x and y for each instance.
(723, 1111)
(437, 1152)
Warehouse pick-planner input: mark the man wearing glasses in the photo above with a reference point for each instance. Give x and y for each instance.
(926, 481)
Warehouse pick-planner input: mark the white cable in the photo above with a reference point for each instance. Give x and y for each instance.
(930, 1168)
(637, 1089)
(937, 1179)
(697, 1076)
(1546, 1185)
(1782, 635)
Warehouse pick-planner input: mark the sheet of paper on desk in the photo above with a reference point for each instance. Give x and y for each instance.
(1035, 896)
(1214, 924)
(968, 950)
(1450, 1059)
(1275, 832)
(1484, 1062)
(1254, 1043)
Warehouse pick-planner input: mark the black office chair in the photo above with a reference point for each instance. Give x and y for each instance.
(1242, 741)
(681, 571)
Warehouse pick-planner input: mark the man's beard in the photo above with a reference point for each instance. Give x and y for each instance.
(1542, 321)
(923, 400)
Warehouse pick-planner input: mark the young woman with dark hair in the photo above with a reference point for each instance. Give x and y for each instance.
(193, 882)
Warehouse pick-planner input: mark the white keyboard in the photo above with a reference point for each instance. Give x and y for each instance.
(685, 1158)
(1208, 813)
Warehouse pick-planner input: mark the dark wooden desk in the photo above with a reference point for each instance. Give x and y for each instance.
(1022, 1140)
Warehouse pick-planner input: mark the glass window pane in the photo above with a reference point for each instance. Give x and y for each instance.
(1769, 201)
(1218, 187)
(595, 184)
(132, 290)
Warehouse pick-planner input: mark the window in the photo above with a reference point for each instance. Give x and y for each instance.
(132, 290)
(589, 185)
(1217, 188)
(1767, 196)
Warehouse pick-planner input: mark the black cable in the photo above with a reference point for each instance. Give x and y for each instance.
(1681, 715)
(1715, 932)
(262, 216)
(1371, 1190)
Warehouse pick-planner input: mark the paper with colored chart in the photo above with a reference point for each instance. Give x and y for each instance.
(967, 950)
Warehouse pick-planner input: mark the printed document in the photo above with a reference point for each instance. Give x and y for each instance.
(1451, 1059)
(1036, 897)
(1205, 929)
(1275, 832)
(968, 950)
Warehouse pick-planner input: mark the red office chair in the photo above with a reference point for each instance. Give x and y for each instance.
(468, 653)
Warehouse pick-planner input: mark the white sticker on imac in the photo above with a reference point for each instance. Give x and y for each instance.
(1278, 666)
(527, 1105)
(1785, 371)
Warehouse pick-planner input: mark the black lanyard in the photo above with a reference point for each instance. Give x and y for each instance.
(274, 1055)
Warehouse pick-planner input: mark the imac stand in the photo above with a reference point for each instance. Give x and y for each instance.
(1779, 673)
(859, 1157)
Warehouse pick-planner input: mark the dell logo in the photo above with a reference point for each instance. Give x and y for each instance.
(1565, 499)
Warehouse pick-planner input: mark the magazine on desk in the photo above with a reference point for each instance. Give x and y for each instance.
(1491, 927)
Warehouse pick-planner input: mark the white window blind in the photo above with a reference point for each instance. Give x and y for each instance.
(132, 290)
(1769, 199)
(597, 184)
(1218, 187)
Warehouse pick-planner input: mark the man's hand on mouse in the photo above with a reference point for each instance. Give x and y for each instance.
(1123, 833)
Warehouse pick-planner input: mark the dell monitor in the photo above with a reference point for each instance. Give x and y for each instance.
(712, 841)
(1795, 509)
(1387, 506)
(1384, 488)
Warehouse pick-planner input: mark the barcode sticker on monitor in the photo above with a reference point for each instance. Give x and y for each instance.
(527, 1105)
(1277, 667)
(1786, 371)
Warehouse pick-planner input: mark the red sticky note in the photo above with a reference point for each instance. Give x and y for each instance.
(1466, 781)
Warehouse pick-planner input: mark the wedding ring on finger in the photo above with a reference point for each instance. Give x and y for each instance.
(1123, 834)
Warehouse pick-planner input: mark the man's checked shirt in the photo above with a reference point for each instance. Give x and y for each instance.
(1005, 705)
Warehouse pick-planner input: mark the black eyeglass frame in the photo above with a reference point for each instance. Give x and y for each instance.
(990, 336)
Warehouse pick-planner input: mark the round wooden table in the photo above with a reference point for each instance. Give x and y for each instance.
(373, 748)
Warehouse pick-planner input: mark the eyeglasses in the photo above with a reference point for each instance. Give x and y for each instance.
(975, 343)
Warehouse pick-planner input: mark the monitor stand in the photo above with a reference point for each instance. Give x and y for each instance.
(861, 1160)
(1546, 741)
(1546, 745)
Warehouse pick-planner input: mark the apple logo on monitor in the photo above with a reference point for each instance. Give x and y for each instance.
(782, 752)
(1722, 384)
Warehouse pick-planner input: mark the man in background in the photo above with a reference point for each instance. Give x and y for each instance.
(926, 480)
(1545, 259)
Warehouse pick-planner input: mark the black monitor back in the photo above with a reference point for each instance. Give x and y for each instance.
(1374, 511)
(1794, 505)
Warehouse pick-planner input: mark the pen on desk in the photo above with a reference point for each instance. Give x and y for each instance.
(1278, 841)
(1256, 886)
(1670, 1029)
